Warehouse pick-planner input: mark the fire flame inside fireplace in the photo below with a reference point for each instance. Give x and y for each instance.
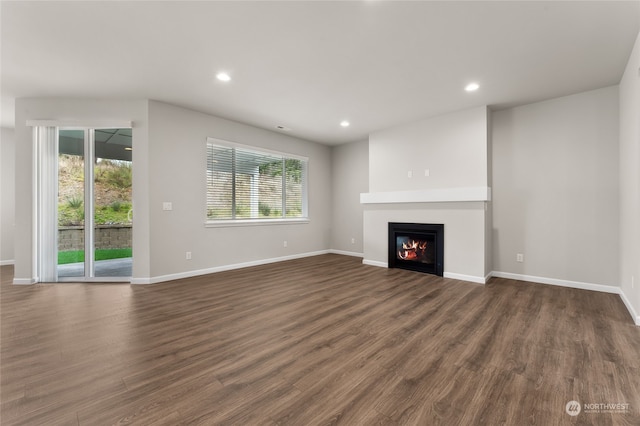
(413, 250)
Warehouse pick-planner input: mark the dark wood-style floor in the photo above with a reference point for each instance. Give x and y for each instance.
(315, 341)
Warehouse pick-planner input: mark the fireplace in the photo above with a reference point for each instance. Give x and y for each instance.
(417, 247)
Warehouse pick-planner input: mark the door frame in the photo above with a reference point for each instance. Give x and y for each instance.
(43, 255)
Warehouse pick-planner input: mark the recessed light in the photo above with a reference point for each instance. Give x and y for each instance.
(223, 76)
(344, 123)
(472, 87)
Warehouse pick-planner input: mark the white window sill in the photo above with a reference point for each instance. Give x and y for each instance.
(254, 222)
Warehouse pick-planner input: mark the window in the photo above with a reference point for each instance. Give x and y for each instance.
(245, 183)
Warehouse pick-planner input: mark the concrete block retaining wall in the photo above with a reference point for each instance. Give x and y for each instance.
(106, 237)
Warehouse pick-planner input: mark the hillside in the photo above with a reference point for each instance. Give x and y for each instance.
(112, 191)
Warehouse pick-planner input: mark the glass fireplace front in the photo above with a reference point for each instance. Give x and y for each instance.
(417, 246)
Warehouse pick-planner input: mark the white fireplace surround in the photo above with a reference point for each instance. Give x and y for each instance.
(465, 213)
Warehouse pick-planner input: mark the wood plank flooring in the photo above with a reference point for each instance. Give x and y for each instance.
(316, 341)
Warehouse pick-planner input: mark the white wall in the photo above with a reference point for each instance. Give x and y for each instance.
(350, 177)
(85, 111)
(177, 139)
(630, 180)
(7, 195)
(555, 188)
(453, 147)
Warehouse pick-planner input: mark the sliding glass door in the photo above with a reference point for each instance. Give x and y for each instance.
(94, 204)
(71, 203)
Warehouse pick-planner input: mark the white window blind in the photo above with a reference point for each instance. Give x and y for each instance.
(245, 183)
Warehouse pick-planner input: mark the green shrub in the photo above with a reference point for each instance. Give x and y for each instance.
(117, 174)
(74, 202)
(70, 216)
(294, 212)
(264, 209)
(110, 215)
(243, 211)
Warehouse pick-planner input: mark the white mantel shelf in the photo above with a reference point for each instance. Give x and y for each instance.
(443, 195)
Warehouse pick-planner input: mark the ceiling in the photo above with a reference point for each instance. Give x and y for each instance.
(309, 65)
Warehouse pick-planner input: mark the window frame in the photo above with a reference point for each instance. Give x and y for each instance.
(304, 218)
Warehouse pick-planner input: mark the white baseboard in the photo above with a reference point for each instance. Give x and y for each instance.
(346, 253)
(375, 263)
(189, 274)
(452, 275)
(558, 282)
(7, 262)
(462, 277)
(24, 281)
(574, 284)
(632, 311)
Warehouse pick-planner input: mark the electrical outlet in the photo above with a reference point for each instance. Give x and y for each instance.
(188, 255)
(167, 205)
(519, 257)
(353, 240)
(285, 244)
